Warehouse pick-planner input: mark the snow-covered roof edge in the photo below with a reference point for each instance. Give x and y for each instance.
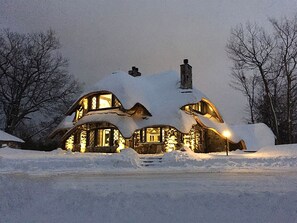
(255, 136)
(65, 124)
(4, 136)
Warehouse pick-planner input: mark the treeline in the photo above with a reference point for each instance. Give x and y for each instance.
(36, 87)
(265, 71)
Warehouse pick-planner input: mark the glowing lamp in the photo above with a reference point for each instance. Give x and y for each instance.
(226, 133)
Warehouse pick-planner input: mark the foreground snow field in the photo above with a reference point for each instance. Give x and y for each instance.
(185, 187)
(191, 197)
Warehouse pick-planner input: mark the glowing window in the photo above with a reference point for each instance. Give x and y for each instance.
(69, 143)
(80, 112)
(94, 103)
(105, 101)
(197, 107)
(187, 108)
(117, 103)
(103, 137)
(83, 141)
(85, 103)
(153, 135)
(118, 139)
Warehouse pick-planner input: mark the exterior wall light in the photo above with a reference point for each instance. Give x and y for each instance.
(227, 134)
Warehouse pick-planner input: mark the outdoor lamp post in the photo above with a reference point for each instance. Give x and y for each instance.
(227, 134)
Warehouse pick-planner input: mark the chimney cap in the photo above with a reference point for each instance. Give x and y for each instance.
(134, 72)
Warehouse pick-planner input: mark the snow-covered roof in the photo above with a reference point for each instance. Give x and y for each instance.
(255, 136)
(65, 124)
(160, 94)
(9, 138)
(218, 127)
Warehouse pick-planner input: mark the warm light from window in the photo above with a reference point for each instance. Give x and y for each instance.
(189, 139)
(94, 102)
(83, 141)
(105, 101)
(69, 143)
(85, 103)
(199, 106)
(80, 112)
(117, 103)
(171, 142)
(103, 137)
(119, 139)
(153, 135)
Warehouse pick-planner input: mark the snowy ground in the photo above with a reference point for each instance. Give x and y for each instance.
(186, 187)
(273, 158)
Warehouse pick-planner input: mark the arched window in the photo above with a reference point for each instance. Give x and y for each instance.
(103, 101)
(203, 108)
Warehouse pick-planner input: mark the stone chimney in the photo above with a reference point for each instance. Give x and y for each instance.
(186, 75)
(134, 72)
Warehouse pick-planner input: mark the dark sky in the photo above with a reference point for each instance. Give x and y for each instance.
(99, 37)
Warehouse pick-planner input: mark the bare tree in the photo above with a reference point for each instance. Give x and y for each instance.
(252, 49)
(34, 80)
(286, 62)
(247, 85)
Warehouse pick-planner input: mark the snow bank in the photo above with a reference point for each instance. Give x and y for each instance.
(29, 161)
(282, 157)
(127, 158)
(274, 158)
(289, 150)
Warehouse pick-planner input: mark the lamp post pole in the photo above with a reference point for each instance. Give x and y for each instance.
(227, 146)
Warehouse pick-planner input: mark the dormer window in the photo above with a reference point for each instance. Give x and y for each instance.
(198, 107)
(103, 101)
(202, 108)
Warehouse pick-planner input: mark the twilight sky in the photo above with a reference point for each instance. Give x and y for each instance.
(102, 36)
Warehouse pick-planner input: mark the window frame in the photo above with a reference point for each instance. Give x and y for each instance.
(160, 136)
(113, 102)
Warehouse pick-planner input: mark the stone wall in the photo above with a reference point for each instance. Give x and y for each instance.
(214, 143)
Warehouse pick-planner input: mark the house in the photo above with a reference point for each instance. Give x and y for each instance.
(9, 140)
(149, 113)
